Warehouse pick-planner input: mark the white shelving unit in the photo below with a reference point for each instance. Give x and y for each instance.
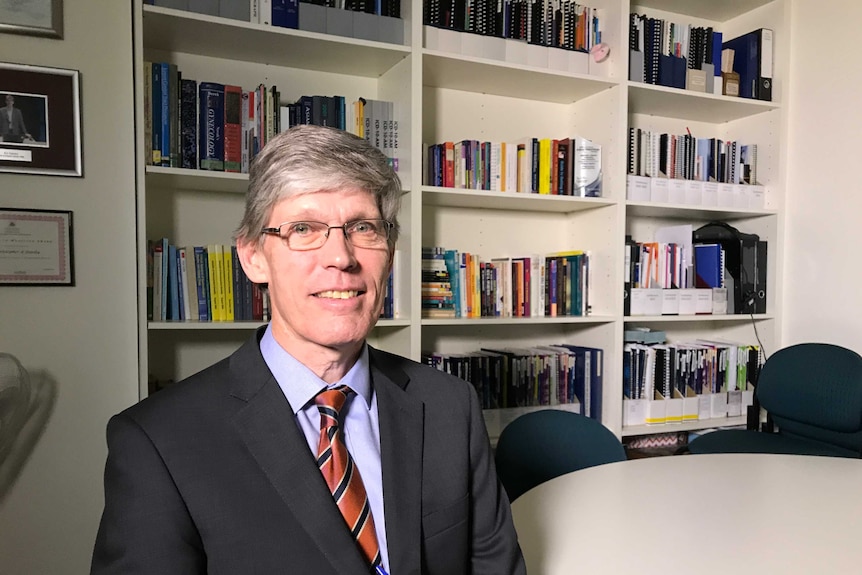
(443, 96)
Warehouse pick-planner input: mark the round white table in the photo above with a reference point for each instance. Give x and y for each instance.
(703, 514)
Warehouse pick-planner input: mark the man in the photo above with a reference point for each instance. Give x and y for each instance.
(232, 470)
(12, 128)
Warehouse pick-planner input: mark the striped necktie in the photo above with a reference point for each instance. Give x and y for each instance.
(342, 475)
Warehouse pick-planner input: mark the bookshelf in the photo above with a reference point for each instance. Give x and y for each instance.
(446, 96)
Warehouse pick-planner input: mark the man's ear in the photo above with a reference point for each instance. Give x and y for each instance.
(253, 261)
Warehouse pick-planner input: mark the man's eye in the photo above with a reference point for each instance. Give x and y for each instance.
(301, 228)
(364, 227)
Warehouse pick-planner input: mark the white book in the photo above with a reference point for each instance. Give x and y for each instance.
(265, 12)
(184, 282)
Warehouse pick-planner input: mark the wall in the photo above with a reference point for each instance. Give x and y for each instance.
(82, 338)
(823, 275)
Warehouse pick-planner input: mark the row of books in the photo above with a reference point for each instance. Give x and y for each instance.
(675, 382)
(200, 283)
(567, 166)
(208, 283)
(659, 265)
(661, 51)
(686, 157)
(555, 23)
(532, 376)
(461, 284)
(221, 127)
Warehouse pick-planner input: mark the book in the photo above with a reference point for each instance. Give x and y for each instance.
(587, 169)
(148, 112)
(202, 283)
(708, 266)
(188, 124)
(227, 283)
(232, 128)
(211, 116)
(285, 13)
(156, 108)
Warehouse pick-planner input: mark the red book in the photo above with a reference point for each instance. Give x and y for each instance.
(232, 128)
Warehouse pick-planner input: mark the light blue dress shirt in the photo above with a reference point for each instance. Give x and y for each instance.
(359, 421)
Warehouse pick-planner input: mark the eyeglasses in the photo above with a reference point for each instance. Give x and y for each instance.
(301, 236)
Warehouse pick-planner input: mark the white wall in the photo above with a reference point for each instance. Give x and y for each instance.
(84, 337)
(824, 197)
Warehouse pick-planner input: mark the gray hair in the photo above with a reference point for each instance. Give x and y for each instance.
(306, 159)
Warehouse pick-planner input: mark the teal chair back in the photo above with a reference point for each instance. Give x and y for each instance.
(545, 444)
(813, 393)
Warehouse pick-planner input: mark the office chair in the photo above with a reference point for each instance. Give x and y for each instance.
(813, 393)
(545, 444)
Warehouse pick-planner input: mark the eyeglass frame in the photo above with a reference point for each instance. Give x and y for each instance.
(276, 231)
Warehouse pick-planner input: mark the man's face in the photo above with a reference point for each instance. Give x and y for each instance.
(327, 297)
(10, 100)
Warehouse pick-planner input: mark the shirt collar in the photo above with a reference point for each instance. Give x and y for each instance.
(300, 385)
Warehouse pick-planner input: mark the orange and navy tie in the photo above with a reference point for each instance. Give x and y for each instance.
(342, 475)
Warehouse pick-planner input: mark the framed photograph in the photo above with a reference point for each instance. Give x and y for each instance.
(36, 247)
(40, 120)
(32, 17)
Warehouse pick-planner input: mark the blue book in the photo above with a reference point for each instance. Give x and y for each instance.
(202, 283)
(708, 266)
(165, 143)
(211, 139)
(285, 13)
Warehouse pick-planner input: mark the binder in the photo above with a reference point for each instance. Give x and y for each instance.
(708, 266)
(760, 277)
(740, 253)
(752, 60)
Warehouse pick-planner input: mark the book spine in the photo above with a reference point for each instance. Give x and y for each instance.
(211, 140)
(148, 112)
(165, 130)
(232, 129)
(156, 106)
(174, 80)
(189, 124)
(285, 13)
(202, 282)
(227, 279)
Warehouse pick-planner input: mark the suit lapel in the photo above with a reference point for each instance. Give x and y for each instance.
(267, 427)
(401, 440)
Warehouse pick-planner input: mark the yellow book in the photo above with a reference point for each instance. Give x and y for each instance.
(545, 166)
(214, 261)
(227, 278)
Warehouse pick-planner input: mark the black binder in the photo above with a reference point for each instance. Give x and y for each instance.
(741, 262)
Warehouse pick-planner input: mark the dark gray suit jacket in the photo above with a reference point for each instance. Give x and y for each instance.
(212, 475)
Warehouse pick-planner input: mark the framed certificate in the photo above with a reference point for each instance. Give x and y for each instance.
(36, 247)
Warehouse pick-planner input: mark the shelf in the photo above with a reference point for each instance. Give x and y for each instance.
(706, 9)
(463, 198)
(185, 179)
(445, 70)
(695, 106)
(729, 318)
(482, 321)
(179, 31)
(689, 426)
(653, 210)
